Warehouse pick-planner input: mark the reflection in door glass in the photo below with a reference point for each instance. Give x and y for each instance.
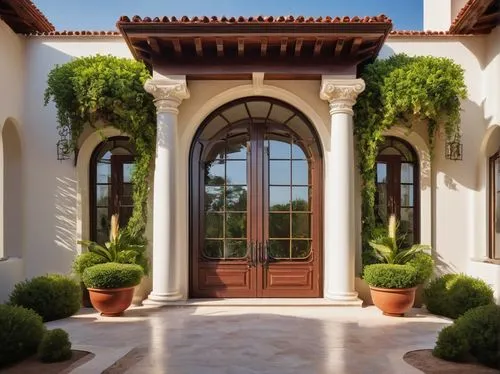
(226, 201)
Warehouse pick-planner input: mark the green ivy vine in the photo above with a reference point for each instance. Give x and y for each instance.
(403, 90)
(107, 90)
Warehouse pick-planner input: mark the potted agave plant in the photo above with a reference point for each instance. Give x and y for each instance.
(393, 282)
(120, 249)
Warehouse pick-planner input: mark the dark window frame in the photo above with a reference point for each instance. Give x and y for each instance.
(116, 179)
(394, 187)
(493, 254)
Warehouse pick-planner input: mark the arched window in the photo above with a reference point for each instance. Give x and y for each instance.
(397, 182)
(111, 168)
(494, 206)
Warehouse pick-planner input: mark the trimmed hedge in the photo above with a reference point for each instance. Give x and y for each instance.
(53, 296)
(476, 333)
(423, 263)
(21, 330)
(112, 275)
(86, 260)
(55, 346)
(390, 276)
(452, 295)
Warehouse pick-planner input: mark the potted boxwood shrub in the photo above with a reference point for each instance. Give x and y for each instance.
(401, 270)
(111, 286)
(392, 287)
(121, 248)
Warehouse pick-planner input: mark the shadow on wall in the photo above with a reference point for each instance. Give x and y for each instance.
(65, 204)
(50, 192)
(249, 340)
(12, 190)
(442, 266)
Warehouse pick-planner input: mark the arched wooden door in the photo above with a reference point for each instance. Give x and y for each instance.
(256, 198)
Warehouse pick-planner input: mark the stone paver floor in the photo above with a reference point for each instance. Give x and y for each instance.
(247, 340)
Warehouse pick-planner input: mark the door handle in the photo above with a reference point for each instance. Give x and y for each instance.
(265, 256)
(251, 255)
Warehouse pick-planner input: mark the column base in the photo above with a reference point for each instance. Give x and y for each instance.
(162, 299)
(347, 298)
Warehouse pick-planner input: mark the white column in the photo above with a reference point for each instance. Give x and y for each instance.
(168, 93)
(340, 192)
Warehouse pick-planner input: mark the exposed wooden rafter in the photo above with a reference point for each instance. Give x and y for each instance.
(283, 50)
(220, 47)
(177, 46)
(339, 46)
(155, 45)
(263, 47)
(298, 46)
(198, 46)
(241, 47)
(283, 46)
(317, 46)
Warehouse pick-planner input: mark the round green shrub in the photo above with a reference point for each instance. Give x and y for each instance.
(86, 260)
(21, 330)
(476, 333)
(481, 325)
(423, 263)
(390, 276)
(52, 296)
(451, 295)
(112, 275)
(55, 346)
(451, 345)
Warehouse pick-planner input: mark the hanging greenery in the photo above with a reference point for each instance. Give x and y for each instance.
(108, 91)
(403, 90)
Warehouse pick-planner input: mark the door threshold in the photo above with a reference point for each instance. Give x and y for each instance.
(266, 302)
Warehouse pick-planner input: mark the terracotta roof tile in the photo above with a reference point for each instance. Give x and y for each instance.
(258, 19)
(420, 33)
(77, 33)
(468, 5)
(23, 16)
(47, 24)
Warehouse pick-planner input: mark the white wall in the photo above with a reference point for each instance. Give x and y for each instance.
(459, 187)
(12, 75)
(51, 185)
(437, 14)
(491, 81)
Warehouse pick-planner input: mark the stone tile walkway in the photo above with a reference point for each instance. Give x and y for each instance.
(248, 340)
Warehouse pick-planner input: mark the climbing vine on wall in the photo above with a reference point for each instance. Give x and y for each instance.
(403, 90)
(101, 91)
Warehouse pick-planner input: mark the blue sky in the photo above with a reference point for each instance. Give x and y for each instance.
(103, 14)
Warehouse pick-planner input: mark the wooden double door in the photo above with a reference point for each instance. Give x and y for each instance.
(256, 213)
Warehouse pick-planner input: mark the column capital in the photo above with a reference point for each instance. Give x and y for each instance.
(168, 92)
(341, 94)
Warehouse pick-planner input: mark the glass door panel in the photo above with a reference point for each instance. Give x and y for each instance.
(226, 200)
(288, 207)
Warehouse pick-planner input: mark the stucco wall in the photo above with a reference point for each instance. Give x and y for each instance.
(51, 221)
(459, 213)
(12, 59)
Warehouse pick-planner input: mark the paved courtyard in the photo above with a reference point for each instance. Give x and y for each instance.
(247, 340)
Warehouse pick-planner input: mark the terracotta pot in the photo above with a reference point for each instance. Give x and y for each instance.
(393, 302)
(111, 302)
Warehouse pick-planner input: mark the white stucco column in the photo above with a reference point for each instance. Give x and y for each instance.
(339, 231)
(168, 93)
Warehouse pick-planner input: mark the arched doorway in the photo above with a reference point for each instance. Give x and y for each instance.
(397, 180)
(255, 203)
